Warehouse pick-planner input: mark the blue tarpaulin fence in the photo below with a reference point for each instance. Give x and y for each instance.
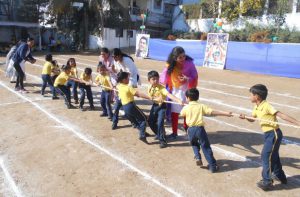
(273, 59)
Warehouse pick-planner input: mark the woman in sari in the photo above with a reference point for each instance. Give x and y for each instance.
(179, 76)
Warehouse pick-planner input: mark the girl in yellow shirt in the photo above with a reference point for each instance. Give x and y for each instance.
(61, 84)
(73, 73)
(86, 76)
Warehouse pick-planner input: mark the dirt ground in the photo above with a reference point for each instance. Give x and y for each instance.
(48, 150)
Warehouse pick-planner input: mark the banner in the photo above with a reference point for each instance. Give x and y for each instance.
(142, 45)
(216, 50)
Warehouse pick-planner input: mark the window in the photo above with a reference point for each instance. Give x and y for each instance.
(157, 5)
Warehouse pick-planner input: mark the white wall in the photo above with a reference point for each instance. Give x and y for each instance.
(110, 40)
(204, 25)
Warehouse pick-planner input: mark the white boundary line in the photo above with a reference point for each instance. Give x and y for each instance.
(9, 178)
(90, 140)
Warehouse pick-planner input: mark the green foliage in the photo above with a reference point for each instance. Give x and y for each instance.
(203, 9)
(250, 32)
(28, 10)
(252, 8)
(231, 10)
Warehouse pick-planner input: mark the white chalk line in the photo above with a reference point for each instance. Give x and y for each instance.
(9, 178)
(208, 89)
(21, 102)
(95, 144)
(223, 122)
(203, 81)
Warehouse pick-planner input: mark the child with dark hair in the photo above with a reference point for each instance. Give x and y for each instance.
(47, 78)
(194, 112)
(86, 76)
(132, 112)
(74, 73)
(61, 84)
(103, 79)
(272, 168)
(158, 93)
(55, 70)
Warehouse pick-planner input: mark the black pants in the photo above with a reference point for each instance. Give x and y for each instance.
(20, 77)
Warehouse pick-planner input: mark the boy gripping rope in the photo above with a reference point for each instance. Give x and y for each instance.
(272, 168)
(194, 112)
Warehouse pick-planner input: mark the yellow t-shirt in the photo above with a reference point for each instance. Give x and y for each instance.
(74, 72)
(158, 91)
(47, 68)
(85, 77)
(61, 79)
(265, 111)
(194, 112)
(126, 93)
(103, 80)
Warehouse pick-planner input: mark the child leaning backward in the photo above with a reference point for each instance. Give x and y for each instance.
(61, 84)
(272, 168)
(158, 93)
(194, 112)
(86, 77)
(132, 112)
(103, 79)
(46, 72)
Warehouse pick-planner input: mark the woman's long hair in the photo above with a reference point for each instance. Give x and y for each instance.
(173, 57)
(118, 52)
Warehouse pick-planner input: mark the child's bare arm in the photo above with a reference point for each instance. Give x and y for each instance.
(221, 113)
(243, 116)
(174, 98)
(142, 95)
(287, 118)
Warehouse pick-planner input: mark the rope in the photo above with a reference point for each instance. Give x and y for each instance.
(234, 114)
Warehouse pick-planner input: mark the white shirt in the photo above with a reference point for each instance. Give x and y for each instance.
(127, 65)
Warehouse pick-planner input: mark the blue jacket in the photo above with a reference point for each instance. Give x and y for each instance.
(20, 54)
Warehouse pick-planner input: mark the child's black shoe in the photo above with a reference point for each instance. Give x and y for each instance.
(143, 139)
(282, 180)
(213, 169)
(103, 115)
(114, 126)
(265, 185)
(55, 98)
(163, 144)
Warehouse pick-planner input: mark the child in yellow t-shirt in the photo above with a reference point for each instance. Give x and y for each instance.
(103, 79)
(86, 76)
(61, 84)
(272, 168)
(194, 112)
(132, 112)
(158, 93)
(71, 83)
(46, 72)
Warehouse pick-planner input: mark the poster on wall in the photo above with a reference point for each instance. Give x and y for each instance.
(142, 45)
(216, 50)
